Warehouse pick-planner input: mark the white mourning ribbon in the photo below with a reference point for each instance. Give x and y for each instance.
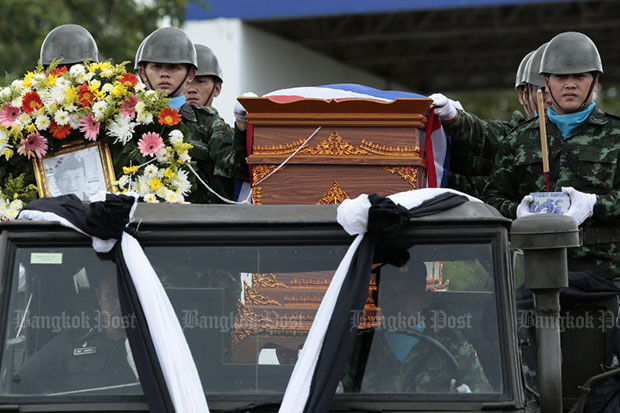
(353, 216)
(175, 357)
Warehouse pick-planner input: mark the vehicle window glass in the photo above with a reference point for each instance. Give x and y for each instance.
(65, 331)
(435, 326)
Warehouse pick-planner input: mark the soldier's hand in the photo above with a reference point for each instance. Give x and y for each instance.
(581, 204)
(523, 209)
(445, 107)
(240, 112)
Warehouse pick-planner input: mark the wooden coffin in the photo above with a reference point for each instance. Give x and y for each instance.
(363, 146)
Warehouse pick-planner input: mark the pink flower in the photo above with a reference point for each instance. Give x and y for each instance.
(129, 104)
(8, 114)
(150, 144)
(89, 126)
(33, 143)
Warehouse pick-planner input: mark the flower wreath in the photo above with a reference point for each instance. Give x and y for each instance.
(99, 101)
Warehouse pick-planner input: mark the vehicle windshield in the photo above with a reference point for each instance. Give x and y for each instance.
(428, 327)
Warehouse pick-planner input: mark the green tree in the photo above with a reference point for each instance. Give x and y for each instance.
(118, 26)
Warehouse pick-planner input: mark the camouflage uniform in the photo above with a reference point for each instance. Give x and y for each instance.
(424, 370)
(474, 143)
(219, 153)
(587, 160)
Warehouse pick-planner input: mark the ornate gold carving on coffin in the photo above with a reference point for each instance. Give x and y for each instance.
(335, 195)
(408, 173)
(258, 173)
(336, 145)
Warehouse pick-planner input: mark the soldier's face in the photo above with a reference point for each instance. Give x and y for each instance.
(570, 90)
(202, 90)
(165, 77)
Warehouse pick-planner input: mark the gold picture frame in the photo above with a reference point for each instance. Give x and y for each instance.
(79, 167)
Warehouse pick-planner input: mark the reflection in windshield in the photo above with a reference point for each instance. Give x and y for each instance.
(428, 327)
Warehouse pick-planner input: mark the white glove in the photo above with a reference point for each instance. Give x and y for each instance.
(239, 110)
(523, 209)
(581, 204)
(445, 107)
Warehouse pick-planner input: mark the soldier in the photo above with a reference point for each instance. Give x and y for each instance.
(166, 62)
(70, 43)
(78, 359)
(474, 140)
(584, 147)
(207, 83)
(415, 358)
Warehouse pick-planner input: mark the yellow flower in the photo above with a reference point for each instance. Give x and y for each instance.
(70, 94)
(15, 195)
(127, 170)
(28, 79)
(118, 90)
(31, 128)
(50, 80)
(105, 65)
(94, 85)
(182, 147)
(92, 67)
(168, 173)
(8, 153)
(155, 183)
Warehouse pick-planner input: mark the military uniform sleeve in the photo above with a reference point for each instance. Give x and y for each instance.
(474, 142)
(502, 188)
(240, 166)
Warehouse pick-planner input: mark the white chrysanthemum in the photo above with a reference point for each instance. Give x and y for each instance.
(4, 140)
(142, 186)
(140, 107)
(99, 109)
(63, 83)
(17, 101)
(77, 71)
(161, 192)
(150, 94)
(19, 123)
(123, 181)
(107, 88)
(163, 155)
(144, 118)
(89, 76)
(42, 122)
(17, 86)
(16, 204)
(11, 213)
(38, 80)
(107, 73)
(139, 87)
(61, 117)
(55, 97)
(122, 128)
(150, 198)
(184, 157)
(81, 79)
(175, 136)
(5, 93)
(182, 182)
(172, 197)
(74, 120)
(151, 171)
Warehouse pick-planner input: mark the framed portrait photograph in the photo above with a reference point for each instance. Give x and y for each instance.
(80, 168)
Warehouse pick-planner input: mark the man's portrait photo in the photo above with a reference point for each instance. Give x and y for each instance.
(79, 172)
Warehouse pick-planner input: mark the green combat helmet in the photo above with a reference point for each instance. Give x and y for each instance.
(167, 45)
(208, 64)
(520, 79)
(532, 75)
(138, 53)
(69, 42)
(571, 53)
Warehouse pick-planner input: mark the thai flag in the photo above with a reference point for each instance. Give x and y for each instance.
(436, 143)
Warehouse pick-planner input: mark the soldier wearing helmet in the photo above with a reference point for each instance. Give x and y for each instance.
(475, 140)
(166, 62)
(207, 84)
(71, 44)
(584, 155)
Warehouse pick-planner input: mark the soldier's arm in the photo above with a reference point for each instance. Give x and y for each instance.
(240, 166)
(502, 190)
(474, 142)
(607, 205)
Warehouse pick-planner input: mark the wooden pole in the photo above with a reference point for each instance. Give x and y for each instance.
(543, 135)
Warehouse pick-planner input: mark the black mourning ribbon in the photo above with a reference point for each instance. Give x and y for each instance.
(386, 221)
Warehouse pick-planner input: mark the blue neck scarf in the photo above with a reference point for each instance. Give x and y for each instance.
(177, 102)
(567, 123)
(401, 344)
